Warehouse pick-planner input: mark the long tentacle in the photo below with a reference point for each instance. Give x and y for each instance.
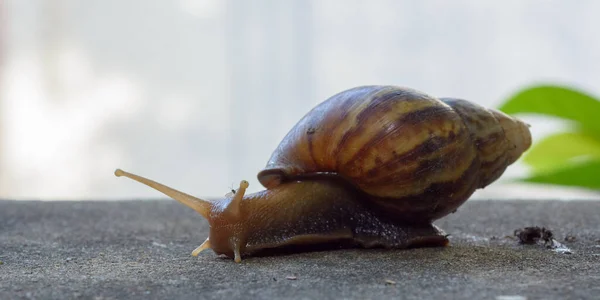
(201, 206)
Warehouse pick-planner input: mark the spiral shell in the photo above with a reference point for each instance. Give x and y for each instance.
(417, 156)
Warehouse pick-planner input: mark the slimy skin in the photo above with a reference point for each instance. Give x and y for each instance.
(321, 210)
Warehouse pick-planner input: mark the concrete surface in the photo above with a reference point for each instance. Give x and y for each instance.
(141, 250)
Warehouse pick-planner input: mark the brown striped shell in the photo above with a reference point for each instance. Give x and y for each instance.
(417, 156)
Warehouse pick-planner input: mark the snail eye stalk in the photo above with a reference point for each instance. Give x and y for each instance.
(197, 204)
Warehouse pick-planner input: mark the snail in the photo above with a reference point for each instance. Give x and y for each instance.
(371, 165)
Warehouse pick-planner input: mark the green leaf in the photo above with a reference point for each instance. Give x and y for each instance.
(583, 174)
(557, 101)
(562, 149)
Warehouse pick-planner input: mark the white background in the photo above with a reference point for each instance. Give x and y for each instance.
(197, 93)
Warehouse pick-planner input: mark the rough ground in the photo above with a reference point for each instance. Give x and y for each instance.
(141, 250)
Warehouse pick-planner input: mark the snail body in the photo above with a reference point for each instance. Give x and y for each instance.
(372, 165)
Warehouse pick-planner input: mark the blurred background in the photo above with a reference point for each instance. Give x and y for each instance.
(197, 94)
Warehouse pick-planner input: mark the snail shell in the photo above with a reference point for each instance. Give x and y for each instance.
(416, 156)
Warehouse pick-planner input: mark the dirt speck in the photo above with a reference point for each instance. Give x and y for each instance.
(532, 235)
(570, 238)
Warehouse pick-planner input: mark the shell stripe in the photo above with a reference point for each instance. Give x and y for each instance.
(413, 115)
(412, 118)
(433, 202)
(417, 176)
(424, 156)
(353, 123)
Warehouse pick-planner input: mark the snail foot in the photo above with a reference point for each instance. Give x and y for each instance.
(404, 236)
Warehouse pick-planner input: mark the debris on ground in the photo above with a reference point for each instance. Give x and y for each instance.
(570, 238)
(387, 281)
(560, 248)
(533, 235)
(291, 278)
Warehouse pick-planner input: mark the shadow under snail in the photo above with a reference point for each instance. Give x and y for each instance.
(372, 165)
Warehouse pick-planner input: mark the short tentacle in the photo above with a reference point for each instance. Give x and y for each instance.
(204, 246)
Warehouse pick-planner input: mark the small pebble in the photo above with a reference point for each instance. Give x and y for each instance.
(69, 258)
(387, 281)
(291, 278)
(570, 238)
